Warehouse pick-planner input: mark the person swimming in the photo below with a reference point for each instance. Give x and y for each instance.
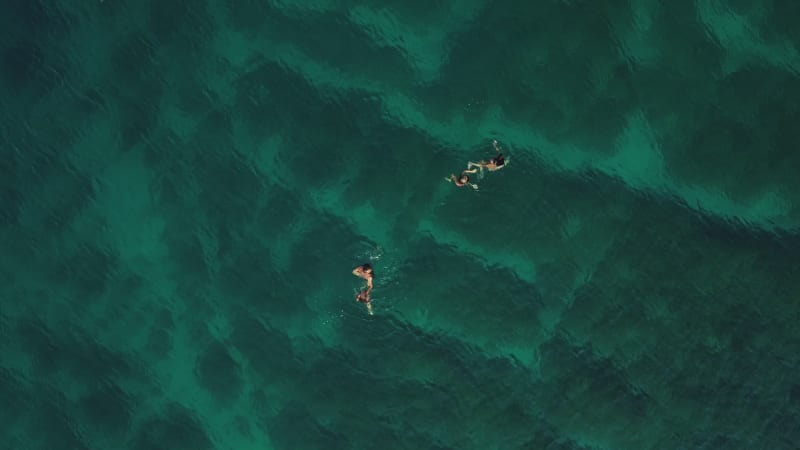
(365, 271)
(492, 165)
(462, 180)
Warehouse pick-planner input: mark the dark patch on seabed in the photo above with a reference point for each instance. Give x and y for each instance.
(186, 186)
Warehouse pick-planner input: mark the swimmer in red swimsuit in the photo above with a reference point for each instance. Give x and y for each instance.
(365, 271)
(462, 180)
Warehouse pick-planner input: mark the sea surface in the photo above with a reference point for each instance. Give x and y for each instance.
(185, 187)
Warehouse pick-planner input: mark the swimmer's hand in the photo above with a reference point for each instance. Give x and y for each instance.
(474, 186)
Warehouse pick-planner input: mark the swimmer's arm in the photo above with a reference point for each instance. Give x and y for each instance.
(357, 271)
(451, 178)
(473, 186)
(369, 285)
(496, 146)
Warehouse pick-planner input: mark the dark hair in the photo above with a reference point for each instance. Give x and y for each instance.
(465, 177)
(365, 267)
(500, 160)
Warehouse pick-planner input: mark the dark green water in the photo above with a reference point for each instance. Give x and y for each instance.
(186, 186)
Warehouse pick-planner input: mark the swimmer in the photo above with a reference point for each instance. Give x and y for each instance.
(365, 271)
(493, 164)
(462, 180)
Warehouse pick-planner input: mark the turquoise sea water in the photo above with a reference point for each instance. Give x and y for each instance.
(186, 186)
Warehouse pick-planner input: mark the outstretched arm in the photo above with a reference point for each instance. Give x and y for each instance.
(496, 146)
(451, 178)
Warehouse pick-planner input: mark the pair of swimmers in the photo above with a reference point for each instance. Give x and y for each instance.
(492, 165)
(365, 271)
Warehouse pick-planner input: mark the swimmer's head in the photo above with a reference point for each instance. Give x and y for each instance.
(367, 268)
(464, 179)
(499, 160)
